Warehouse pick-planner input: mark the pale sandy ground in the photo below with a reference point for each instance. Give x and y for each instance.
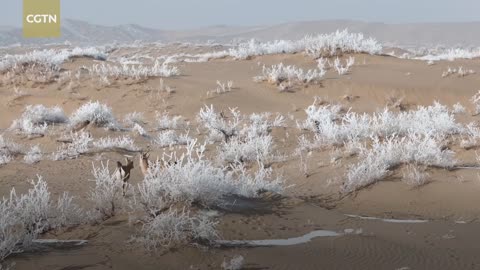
(450, 197)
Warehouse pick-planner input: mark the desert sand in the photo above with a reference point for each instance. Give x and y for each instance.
(432, 226)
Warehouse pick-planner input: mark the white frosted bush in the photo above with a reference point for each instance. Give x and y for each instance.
(106, 195)
(79, 144)
(133, 71)
(341, 42)
(470, 136)
(450, 54)
(375, 162)
(321, 45)
(140, 130)
(280, 73)
(174, 228)
(124, 142)
(461, 72)
(33, 155)
(334, 127)
(476, 102)
(170, 138)
(344, 69)
(414, 176)
(259, 148)
(236, 263)
(8, 150)
(164, 122)
(24, 217)
(51, 59)
(192, 178)
(217, 124)
(261, 124)
(134, 118)
(36, 118)
(96, 113)
(458, 108)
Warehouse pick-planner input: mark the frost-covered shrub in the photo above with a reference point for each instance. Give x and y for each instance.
(343, 69)
(33, 155)
(217, 123)
(341, 42)
(261, 124)
(124, 142)
(334, 127)
(257, 148)
(170, 138)
(470, 136)
(164, 122)
(174, 228)
(321, 45)
(106, 195)
(236, 263)
(450, 54)
(223, 87)
(476, 102)
(192, 178)
(277, 74)
(79, 143)
(24, 217)
(140, 130)
(51, 59)
(375, 162)
(461, 72)
(134, 118)
(36, 118)
(458, 108)
(8, 150)
(415, 176)
(95, 113)
(133, 71)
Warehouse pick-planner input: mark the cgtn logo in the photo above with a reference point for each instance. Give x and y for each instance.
(41, 18)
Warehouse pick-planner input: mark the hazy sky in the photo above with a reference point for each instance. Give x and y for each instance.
(178, 14)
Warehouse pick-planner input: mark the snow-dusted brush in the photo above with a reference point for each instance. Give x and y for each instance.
(8, 150)
(335, 127)
(460, 72)
(33, 155)
(75, 144)
(173, 228)
(376, 162)
(106, 195)
(136, 72)
(191, 178)
(165, 122)
(23, 218)
(94, 113)
(122, 143)
(218, 125)
(35, 119)
(278, 74)
(43, 66)
(343, 69)
(476, 103)
(169, 138)
(222, 87)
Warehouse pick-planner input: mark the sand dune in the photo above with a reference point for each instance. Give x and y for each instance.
(315, 197)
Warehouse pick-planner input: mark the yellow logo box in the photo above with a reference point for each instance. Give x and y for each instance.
(41, 18)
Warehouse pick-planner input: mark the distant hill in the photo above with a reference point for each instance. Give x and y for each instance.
(418, 34)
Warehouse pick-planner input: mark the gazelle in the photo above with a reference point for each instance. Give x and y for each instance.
(144, 162)
(123, 172)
